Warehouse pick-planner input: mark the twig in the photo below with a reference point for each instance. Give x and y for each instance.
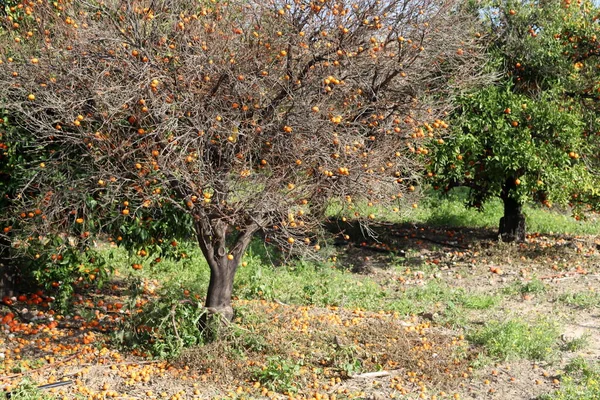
(368, 375)
(174, 323)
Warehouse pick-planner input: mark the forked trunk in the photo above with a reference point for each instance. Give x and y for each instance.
(223, 263)
(512, 225)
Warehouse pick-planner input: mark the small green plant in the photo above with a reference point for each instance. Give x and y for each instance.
(345, 359)
(581, 382)
(514, 339)
(438, 298)
(581, 300)
(26, 390)
(534, 286)
(163, 326)
(279, 374)
(577, 344)
(476, 301)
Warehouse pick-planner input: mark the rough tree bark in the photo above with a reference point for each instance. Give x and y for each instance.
(223, 264)
(7, 281)
(512, 224)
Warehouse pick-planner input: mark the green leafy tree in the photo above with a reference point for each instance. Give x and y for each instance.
(534, 135)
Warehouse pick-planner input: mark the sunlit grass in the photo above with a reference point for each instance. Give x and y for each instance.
(581, 382)
(514, 339)
(450, 211)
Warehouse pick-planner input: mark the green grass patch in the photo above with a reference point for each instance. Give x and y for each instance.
(514, 339)
(450, 211)
(534, 286)
(584, 300)
(306, 283)
(449, 304)
(581, 382)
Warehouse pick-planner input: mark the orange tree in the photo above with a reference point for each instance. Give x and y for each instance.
(216, 120)
(56, 260)
(534, 136)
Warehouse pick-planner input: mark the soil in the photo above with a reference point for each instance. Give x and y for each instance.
(418, 354)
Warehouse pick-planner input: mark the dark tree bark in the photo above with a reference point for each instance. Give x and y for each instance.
(7, 273)
(223, 263)
(512, 224)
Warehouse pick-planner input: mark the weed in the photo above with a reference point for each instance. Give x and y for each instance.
(577, 344)
(582, 300)
(435, 297)
(27, 390)
(477, 301)
(582, 382)
(162, 326)
(449, 211)
(534, 286)
(516, 339)
(279, 374)
(308, 284)
(345, 359)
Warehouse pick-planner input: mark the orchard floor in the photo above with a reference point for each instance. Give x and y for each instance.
(460, 316)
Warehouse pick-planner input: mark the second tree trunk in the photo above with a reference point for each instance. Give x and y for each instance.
(512, 225)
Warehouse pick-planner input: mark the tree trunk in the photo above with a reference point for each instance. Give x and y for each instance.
(223, 263)
(512, 225)
(220, 288)
(7, 273)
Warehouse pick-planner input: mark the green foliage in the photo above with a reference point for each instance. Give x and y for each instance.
(27, 390)
(57, 257)
(533, 137)
(346, 360)
(279, 374)
(533, 286)
(303, 282)
(448, 210)
(582, 300)
(523, 154)
(581, 382)
(161, 327)
(514, 339)
(416, 300)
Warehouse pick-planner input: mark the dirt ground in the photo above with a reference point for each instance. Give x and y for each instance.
(400, 356)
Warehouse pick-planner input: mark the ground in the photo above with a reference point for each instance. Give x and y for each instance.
(423, 312)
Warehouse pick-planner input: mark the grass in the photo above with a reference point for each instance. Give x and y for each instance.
(577, 344)
(515, 339)
(583, 300)
(322, 284)
(447, 304)
(534, 286)
(310, 283)
(581, 382)
(298, 282)
(450, 211)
